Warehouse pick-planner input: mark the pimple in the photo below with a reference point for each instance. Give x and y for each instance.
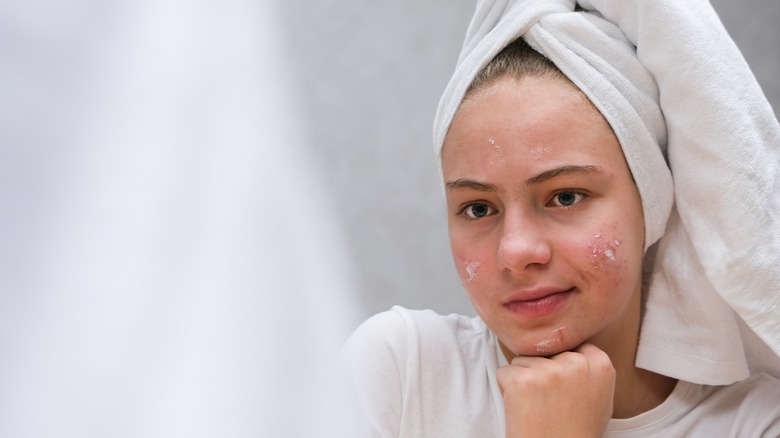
(496, 147)
(603, 251)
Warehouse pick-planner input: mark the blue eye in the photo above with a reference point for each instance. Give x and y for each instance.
(567, 198)
(477, 211)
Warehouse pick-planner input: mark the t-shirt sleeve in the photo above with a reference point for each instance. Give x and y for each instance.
(375, 358)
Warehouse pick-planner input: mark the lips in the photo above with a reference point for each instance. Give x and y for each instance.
(538, 302)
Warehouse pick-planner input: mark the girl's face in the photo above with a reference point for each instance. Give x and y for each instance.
(545, 221)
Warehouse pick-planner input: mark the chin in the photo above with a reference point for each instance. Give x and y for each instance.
(551, 344)
(543, 351)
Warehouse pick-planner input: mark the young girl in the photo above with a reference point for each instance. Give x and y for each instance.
(554, 198)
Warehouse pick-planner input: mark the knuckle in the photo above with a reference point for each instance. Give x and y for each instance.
(575, 360)
(511, 376)
(603, 363)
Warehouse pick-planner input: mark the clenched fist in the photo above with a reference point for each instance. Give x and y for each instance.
(567, 395)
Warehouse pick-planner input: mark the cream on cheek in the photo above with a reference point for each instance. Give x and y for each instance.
(471, 271)
(469, 267)
(603, 251)
(602, 259)
(606, 258)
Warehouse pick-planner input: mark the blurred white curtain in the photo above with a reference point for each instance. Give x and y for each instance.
(167, 265)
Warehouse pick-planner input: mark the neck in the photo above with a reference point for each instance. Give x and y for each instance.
(636, 390)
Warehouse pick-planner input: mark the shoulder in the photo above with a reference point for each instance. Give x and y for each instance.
(401, 346)
(758, 412)
(752, 405)
(747, 408)
(758, 390)
(753, 391)
(402, 363)
(400, 331)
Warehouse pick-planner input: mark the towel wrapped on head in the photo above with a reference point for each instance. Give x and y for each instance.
(686, 108)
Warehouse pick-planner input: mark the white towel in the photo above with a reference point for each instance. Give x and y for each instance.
(683, 102)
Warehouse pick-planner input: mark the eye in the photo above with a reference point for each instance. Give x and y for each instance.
(477, 210)
(567, 198)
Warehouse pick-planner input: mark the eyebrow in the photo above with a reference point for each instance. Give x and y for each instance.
(470, 184)
(563, 170)
(463, 183)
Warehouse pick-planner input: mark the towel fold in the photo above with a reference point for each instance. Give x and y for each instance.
(683, 103)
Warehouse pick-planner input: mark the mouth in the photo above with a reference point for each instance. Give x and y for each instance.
(539, 304)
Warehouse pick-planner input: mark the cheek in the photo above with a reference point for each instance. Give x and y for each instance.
(604, 251)
(473, 273)
(471, 259)
(469, 266)
(605, 257)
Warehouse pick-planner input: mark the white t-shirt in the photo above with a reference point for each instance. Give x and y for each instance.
(420, 374)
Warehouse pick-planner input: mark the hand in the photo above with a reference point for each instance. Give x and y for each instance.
(567, 395)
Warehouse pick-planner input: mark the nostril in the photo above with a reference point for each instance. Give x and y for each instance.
(519, 251)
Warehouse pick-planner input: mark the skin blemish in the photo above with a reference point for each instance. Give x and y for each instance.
(471, 271)
(497, 156)
(603, 251)
(538, 152)
(551, 344)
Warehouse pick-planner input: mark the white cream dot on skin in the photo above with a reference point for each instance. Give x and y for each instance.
(471, 271)
(497, 158)
(538, 152)
(551, 344)
(603, 251)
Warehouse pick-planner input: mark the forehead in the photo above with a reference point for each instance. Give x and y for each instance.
(534, 121)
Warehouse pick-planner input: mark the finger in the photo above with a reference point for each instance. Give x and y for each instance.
(529, 361)
(516, 376)
(595, 356)
(587, 349)
(507, 376)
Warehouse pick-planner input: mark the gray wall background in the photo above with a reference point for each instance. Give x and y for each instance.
(370, 76)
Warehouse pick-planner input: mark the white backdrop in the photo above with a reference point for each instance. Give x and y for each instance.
(169, 262)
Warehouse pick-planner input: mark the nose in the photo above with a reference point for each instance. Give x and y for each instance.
(523, 245)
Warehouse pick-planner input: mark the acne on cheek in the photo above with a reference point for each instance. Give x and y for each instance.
(603, 251)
